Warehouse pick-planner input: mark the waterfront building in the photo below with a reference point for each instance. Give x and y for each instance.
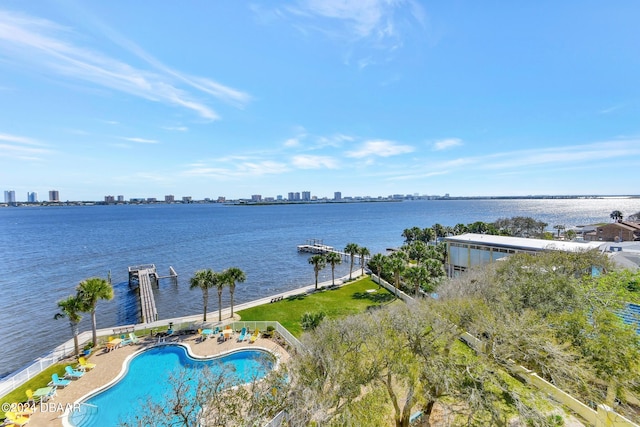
(622, 231)
(120, 199)
(151, 200)
(337, 196)
(10, 197)
(54, 196)
(256, 198)
(109, 199)
(306, 196)
(222, 199)
(169, 198)
(186, 199)
(32, 197)
(470, 249)
(279, 197)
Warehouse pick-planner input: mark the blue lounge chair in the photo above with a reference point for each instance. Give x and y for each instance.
(72, 373)
(57, 382)
(125, 340)
(243, 334)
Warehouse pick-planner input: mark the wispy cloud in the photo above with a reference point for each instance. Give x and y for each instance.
(237, 171)
(610, 109)
(445, 144)
(379, 23)
(45, 45)
(314, 162)
(176, 128)
(22, 148)
(380, 149)
(140, 140)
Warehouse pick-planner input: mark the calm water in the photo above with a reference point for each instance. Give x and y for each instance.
(47, 251)
(118, 403)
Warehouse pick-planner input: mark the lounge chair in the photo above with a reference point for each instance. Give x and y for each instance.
(57, 382)
(133, 337)
(254, 337)
(84, 365)
(125, 340)
(30, 398)
(72, 373)
(243, 333)
(23, 411)
(15, 419)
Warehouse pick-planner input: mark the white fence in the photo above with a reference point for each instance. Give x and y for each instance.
(15, 380)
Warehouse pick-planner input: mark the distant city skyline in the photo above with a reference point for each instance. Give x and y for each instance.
(369, 97)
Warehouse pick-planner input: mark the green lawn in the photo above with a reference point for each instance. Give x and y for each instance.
(40, 380)
(348, 299)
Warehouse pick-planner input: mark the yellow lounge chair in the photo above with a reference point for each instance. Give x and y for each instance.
(255, 336)
(84, 365)
(15, 419)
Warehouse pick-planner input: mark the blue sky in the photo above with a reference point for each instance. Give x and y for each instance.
(366, 97)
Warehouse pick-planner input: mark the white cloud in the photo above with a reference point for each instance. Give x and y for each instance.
(140, 140)
(292, 142)
(445, 144)
(22, 148)
(176, 128)
(380, 149)
(314, 162)
(44, 45)
(240, 170)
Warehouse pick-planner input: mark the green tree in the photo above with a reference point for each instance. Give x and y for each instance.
(220, 284)
(70, 308)
(570, 234)
(428, 234)
(319, 262)
(231, 276)
(363, 252)
(90, 291)
(203, 280)
(559, 227)
(396, 262)
(333, 259)
(376, 263)
(616, 216)
(416, 275)
(459, 229)
(352, 250)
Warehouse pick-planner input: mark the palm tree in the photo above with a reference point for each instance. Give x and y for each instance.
(319, 262)
(396, 263)
(377, 263)
(219, 283)
(559, 227)
(71, 309)
(363, 252)
(333, 259)
(616, 216)
(352, 250)
(230, 276)
(90, 291)
(416, 275)
(203, 280)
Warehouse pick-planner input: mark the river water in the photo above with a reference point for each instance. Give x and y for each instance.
(46, 251)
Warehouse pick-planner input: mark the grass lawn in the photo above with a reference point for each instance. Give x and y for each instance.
(41, 380)
(349, 299)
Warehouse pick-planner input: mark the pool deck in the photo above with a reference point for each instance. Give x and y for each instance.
(110, 364)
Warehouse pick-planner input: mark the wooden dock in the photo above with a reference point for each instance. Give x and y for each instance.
(145, 277)
(315, 246)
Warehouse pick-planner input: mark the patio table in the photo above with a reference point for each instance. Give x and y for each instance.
(43, 393)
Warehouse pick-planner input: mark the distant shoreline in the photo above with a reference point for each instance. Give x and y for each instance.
(246, 202)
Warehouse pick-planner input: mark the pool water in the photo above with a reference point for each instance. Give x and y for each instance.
(148, 378)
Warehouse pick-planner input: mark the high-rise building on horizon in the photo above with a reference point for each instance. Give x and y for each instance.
(120, 199)
(9, 196)
(32, 197)
(306, 196)
(169, 198)
(54, 196)
(109, 199)
(337, 195)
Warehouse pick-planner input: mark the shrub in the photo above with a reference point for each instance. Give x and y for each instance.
(311, 320)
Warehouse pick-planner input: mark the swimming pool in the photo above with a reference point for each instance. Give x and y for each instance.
(148, 377)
